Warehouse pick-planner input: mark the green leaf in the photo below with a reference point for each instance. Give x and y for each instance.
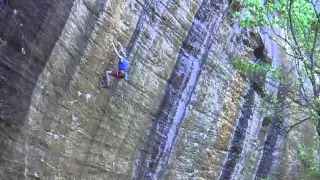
(236, 14)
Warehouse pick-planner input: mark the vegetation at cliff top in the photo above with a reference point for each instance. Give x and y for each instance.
(299, 21)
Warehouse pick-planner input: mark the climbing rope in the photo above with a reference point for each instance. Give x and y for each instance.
(22, 39)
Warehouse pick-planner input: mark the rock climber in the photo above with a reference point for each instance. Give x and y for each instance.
(122, 70)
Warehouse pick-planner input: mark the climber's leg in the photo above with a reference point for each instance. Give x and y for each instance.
(114, 73)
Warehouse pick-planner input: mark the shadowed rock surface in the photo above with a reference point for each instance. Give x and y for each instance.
(184, 113)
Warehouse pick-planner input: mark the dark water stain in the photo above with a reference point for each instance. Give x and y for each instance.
(147, 17)
(138, 28)
(193, 54)
(273, 134)
(82, 43)
(22, 21)
(239, 135)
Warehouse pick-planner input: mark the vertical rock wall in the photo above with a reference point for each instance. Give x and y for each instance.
(30, 27)
(184, 112)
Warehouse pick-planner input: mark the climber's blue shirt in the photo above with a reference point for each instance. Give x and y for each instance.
(123, 64)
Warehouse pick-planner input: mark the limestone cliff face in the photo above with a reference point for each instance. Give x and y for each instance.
(184, 113)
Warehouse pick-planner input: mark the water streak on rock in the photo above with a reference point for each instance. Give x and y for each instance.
(239, 135)
(181, 84)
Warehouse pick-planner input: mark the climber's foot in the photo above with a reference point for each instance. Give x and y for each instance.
(104, 82)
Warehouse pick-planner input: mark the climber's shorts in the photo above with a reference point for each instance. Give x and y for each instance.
(117, 73)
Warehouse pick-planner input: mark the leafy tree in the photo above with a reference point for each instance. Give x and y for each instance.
(300, 22)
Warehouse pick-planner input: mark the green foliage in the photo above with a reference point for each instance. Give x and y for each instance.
(276, 14)
(308, 155)
(249, 67)
(257, 14)
(302, 151)
(254, 16)
(316, 101)
(298, 18)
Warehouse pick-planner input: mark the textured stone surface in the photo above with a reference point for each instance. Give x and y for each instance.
(181, 115)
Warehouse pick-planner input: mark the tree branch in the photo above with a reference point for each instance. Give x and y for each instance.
(291, 127)
(282, 38)
(291, 28)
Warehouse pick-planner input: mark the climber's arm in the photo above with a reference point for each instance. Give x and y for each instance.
(124, 53)
(115, 49)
